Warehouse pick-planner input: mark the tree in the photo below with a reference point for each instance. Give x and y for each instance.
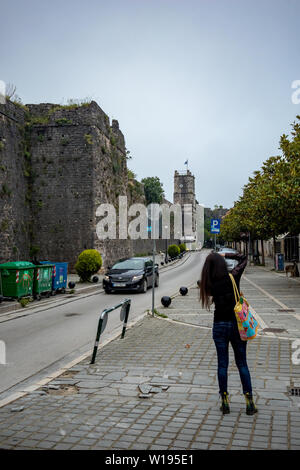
(270, 204)
(153, 189)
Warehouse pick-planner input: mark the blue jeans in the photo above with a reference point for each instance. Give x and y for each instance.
(223, 334)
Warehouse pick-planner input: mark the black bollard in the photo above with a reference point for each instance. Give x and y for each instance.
(166, 301)
(183, 290)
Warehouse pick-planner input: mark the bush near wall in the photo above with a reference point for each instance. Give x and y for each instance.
(182, 247)
(88, 263)
(173, 251)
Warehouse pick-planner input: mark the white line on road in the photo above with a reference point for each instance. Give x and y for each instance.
(266, 293)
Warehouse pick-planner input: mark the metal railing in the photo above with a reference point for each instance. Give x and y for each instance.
(103, 321)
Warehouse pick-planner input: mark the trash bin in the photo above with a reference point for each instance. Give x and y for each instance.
(16, 279)
(59, 275)
(279, 262)
(42, 283)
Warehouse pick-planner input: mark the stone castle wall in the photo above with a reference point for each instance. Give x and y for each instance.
(15, 214)
(57, 165)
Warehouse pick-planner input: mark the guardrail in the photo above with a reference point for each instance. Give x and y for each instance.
(103, 321)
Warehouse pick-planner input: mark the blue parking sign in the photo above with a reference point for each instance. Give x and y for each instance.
(215, 225)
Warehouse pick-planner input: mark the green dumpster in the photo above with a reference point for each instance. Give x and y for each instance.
(16, 279)
(42, 282)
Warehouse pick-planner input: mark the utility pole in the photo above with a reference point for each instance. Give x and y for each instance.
(153, 276)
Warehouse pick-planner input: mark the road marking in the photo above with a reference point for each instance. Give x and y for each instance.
(282, 305)
(48, 378)
(266, 293)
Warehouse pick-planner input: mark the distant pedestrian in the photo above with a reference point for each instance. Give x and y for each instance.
(216, 287)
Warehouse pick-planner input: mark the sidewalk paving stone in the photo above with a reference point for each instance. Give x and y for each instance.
(105, 411)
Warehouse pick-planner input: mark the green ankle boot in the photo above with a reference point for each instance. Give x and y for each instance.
(224, 403)
(250, 406)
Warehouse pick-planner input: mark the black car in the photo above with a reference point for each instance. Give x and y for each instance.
(131, 274)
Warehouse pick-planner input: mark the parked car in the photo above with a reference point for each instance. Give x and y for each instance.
(133, 274)
(231, 263)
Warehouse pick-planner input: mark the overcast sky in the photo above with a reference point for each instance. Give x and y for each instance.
(204, 80)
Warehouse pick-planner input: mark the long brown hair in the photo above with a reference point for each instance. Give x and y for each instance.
(213, 270)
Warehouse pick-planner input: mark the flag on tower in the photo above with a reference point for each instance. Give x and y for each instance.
(186, 162)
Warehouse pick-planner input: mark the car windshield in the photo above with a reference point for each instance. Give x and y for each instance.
(129, 264)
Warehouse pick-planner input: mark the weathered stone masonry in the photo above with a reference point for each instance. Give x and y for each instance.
(57, 164)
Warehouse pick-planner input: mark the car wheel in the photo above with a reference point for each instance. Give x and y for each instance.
(107, 291)
(144, 287)
(156, 281)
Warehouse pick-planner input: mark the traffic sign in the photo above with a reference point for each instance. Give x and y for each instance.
(215, 225)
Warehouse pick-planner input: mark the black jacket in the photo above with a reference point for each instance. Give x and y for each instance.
(222, 291)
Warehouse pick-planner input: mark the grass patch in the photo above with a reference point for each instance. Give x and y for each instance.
(88, 138)
(63, 122)
(24, 301)
(158, 314)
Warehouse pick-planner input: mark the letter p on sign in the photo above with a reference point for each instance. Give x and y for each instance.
(215, 225)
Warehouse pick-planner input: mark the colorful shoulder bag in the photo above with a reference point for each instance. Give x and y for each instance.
(247, 324)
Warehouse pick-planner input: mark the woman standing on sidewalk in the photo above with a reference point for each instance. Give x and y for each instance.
(216, 287)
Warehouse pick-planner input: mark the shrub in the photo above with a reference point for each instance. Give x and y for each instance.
(88, 263)
(182, 247)
(173, 251)
(113, 140)
(24, 301)
(88, 138)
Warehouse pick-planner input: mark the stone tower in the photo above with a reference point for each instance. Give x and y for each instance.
(184, 192)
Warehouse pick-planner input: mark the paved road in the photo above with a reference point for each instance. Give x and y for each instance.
(51, 335)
